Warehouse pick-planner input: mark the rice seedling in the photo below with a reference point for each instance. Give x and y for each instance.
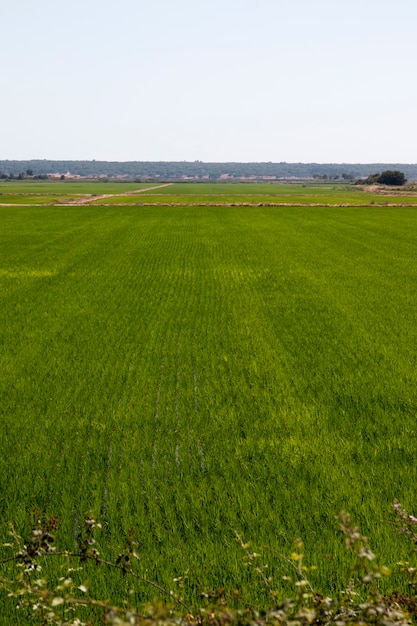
(192, 371)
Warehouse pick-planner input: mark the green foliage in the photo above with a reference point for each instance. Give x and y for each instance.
(372, 179)
(388, 177)
(67, 599)
(392, 177)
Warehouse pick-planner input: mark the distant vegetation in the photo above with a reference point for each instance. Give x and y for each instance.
(199, 169)
(388, 177)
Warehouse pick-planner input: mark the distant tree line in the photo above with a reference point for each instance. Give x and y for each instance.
(23, 175)
(200, 170)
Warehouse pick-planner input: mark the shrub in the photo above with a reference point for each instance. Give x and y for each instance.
(388, 177)
(392, 177)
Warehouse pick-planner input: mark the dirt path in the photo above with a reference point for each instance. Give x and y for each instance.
(374, 205)
(104, 196)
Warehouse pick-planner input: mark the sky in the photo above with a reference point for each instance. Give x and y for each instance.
(220, 80)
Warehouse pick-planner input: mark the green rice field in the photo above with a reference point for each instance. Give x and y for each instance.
(261, 193)
(191, 370)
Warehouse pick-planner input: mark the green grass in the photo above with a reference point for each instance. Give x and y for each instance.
(31, 199)
(69, 187)
(191, 193)
(252, 188)
(32, 193)
(257, 193)
(344, 199)
(189, 371)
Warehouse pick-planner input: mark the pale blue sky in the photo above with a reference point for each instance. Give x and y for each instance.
(225, 80)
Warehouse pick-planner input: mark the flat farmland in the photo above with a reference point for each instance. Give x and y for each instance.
(241, 194)
(68, 187)
(63, 192)
(188, 371)
(34, 199)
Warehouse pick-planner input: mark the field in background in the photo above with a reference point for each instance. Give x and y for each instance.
(261, 193)
(187, 371)
(200, 194)
(68, 187)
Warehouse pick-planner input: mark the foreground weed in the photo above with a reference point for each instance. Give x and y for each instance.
(67, 600)
(46, 601)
